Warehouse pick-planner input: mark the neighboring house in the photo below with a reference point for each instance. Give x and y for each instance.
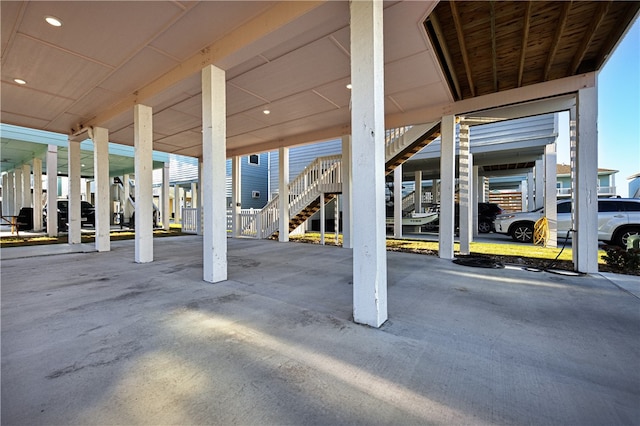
(634, 185)
(183, 171)
(606, 181)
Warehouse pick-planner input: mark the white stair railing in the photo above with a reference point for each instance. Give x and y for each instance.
(323, 175)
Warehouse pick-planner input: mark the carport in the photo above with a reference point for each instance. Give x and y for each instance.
(221, 79)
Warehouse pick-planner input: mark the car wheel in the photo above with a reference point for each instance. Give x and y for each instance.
(623, 235)
(484, 227)
(522, 232)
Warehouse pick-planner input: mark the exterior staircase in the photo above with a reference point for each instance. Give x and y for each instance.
(323, 178)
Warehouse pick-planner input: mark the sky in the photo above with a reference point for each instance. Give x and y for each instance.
(618, 112)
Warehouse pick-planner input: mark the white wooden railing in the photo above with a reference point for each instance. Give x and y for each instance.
(323, 175)
(190, 220)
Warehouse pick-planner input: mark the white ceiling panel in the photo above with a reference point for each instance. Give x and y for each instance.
(297, 71)
(90, 104)
(337, 92)
(408, 37)
(10, 11)
(291, 108)
(169, 97)
(204, 24)
(332, 17)
(25, 101)
(145, 66)
(191, 106)
(123, 136)
(434, 94)
(410, 72)
(66, 74)
(239, 100)
(98, 30)
(21, 120)
(241, 124)
(170, 121)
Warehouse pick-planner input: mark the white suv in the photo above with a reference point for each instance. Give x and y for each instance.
(618, 219)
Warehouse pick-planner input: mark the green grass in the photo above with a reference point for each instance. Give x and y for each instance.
(429, 247)
(15, 241)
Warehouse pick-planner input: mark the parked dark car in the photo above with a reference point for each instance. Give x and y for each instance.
(487, 213)
(87, 214)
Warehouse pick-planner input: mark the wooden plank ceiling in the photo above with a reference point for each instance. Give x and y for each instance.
(487, 47)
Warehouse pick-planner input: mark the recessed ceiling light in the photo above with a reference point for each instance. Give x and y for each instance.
(19, 81)
(53, 21)
(349, 86)
(266, 112)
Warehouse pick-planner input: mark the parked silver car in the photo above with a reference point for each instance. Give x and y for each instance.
(618, 219)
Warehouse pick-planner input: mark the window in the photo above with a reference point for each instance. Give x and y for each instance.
(564, 207)
(608, 206)
(254, 159)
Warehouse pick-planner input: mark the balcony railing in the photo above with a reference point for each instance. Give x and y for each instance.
(602, 190)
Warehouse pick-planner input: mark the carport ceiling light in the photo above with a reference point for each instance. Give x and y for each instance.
(53, 21)
(19, 81)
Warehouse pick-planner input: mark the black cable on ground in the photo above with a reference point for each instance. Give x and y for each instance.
(478, 262)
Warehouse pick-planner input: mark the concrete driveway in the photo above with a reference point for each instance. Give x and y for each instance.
(95, 339)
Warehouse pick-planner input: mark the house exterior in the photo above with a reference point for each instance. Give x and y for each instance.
(634, 185)
(606, 181)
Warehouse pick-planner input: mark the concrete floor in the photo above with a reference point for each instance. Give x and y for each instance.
(95, 339)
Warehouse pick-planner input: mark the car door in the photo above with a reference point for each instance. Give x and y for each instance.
(611, 214)
(564, 218)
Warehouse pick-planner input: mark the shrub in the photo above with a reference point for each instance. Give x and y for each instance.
(621, 260)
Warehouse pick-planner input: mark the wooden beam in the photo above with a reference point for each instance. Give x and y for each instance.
(463, 46)
(525, 40)
(558, 87)
(632, 13)
(244, 35)
(494, 54)
(562, 22)
(588, 36)
(442, 42)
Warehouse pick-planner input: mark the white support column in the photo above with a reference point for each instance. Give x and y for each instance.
(87, 190)
(201, 196)
(447, 186)
(531, 203)
(480, 182)
(524, 190)
(5, 194)
(179, 200)
(551, 194)
(465, 183)
(417, 195)
(26, 185)
(323, 219)
(477, 196)
(368, 162)
(336, 221)
(347, 202)
(52, 190)
(102, 185)
(194, 195)
(18, 184)
(539, 183)
(73, 214)
(214, 147)
(143, 163)
(127, 194)
(397, 202)
(236, 195)
(435, 197)
(585, 242)
(283, 197)
(164, 210)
